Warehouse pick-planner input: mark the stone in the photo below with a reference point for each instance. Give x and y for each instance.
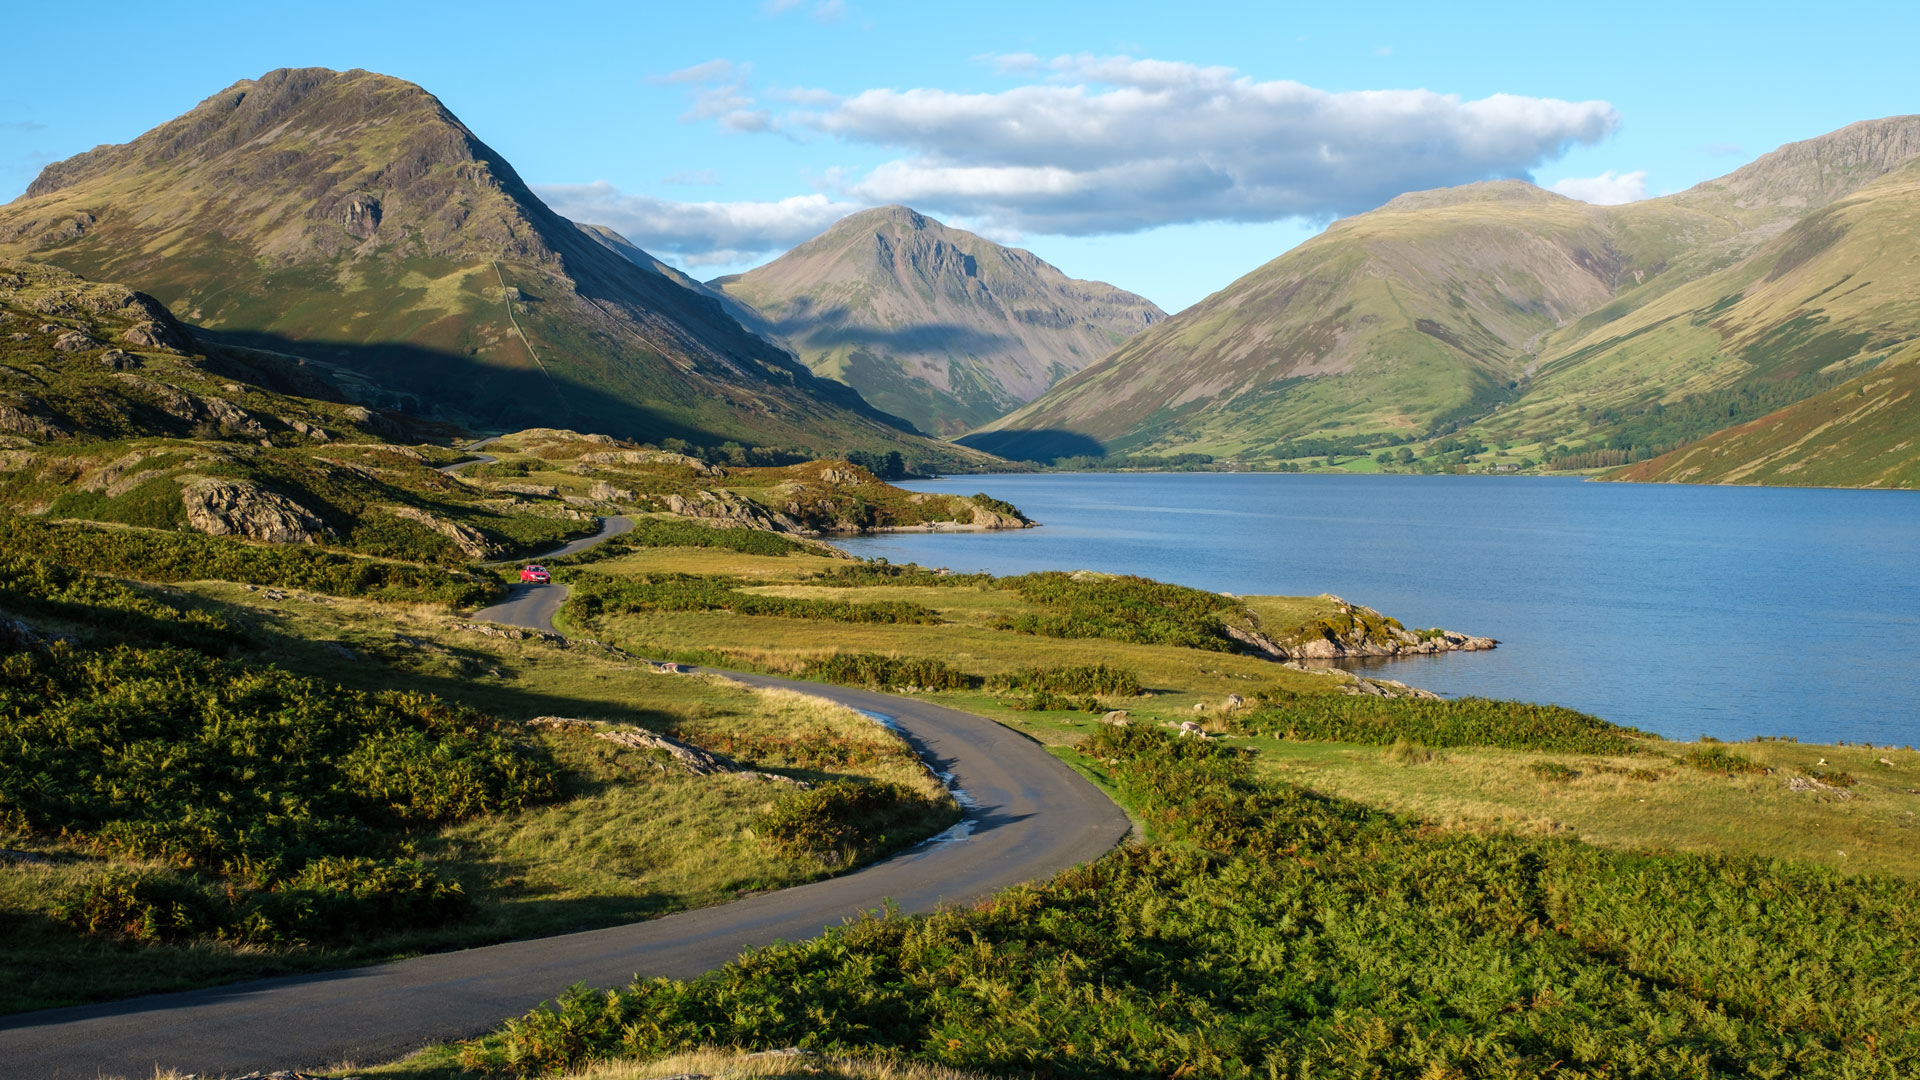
(471, 541)
(1118, 718)
(118, 360)
(75, 341)
(222, 507)
(608, 493)
(362, 216)
(544, 491)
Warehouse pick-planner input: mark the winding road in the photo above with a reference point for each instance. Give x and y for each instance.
(1028, 816)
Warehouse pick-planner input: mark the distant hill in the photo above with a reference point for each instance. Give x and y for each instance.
(933, 323)
(349, 218)
(1536, 328)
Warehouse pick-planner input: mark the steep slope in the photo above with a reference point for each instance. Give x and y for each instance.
(1864, 432)
(933, 323)
(350, 218)
(1527, 319)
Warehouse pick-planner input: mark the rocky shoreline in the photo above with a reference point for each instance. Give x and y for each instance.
(1353, 630)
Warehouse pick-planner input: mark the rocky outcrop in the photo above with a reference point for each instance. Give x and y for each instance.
(736, 509)
(20, 423)
(1351, 631)
(471, 541)
(220, 507)
(608, 493)
(651, 457)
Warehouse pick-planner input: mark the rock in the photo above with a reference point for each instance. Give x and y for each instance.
(232, 418)
(544, 491)
(75, 341)
(155, 335)
(471, 542)
(18, 422)
(1118, 718)
(311, 431)
(734, 509)
(16, 636)
(608, 493)
(376, 422)
(118, 360)
(341, 651)
(220, 507)
(692, 758)
(362, 216)
(650, 457)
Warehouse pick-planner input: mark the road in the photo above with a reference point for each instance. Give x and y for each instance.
(1030, 817)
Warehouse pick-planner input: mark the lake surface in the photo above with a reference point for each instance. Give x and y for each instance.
(1730, 612)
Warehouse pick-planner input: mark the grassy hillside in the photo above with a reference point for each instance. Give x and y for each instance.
(1498, 326)
(933, 323)
(1861, 433)
(351, 219)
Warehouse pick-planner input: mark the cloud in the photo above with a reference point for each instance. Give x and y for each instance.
(1607, 189)
(718, 89)
(711, 71)
(1117, 144)
(699, 233)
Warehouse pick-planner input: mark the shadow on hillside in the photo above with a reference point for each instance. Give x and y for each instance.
(1041, 445)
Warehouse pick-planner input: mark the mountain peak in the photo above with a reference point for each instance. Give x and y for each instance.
(934, 323)
(1483, 191)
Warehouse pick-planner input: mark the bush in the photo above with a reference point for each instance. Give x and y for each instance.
(171, 556)
(598, 594)
(108, 610)
(1709, 757)
(1284, 933)
(1128, 608)
(1512, 725)
(665, 532)
(880, 573)
(839, 823)
(886, 672)
(1101, 679)
(288, 794)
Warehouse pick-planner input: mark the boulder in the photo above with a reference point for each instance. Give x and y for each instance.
(471, 542)
(75, 341)
(221, 507)
(1118, 718)
(608, 493)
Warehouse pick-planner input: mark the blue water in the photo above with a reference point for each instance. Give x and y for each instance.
(1730, 612)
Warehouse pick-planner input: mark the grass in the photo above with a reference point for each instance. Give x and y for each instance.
(618, 840)
(1271, 930)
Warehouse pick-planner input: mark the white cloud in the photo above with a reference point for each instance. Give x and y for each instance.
(1607, 189)
(1091, 145)
(699, 233)
(1116, 144)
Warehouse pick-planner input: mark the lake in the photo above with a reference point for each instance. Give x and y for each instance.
(1687, 611)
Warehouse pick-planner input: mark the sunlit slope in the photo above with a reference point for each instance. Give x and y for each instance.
(933, 323)
(349, 217)
(1863, 433)
(1528, 320)
(1429, 308)
(1838, 288)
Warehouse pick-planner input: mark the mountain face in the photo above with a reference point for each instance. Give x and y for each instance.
(934, 323)
(349, 218)
(1510, 313)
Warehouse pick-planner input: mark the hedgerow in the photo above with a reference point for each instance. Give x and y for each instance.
(666, 532)
(1277, 932)
(1513, 725)
(594, 595)
(176, 556)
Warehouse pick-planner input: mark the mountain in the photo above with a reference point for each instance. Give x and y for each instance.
(351, 219)
(933, 323)
(1509, 315)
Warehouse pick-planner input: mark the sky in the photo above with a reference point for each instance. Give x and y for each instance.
(1167, 148)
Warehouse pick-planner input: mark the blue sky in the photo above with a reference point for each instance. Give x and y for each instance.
(1167, 148)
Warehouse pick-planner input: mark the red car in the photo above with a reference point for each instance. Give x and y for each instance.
(535, 573)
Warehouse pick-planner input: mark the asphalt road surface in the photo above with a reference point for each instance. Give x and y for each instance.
(1029, 817)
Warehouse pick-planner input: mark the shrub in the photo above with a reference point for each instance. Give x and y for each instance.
(598, 594)
(1710, 757)
(839, 823)
(144, 906)
(886, 672)
(1128, 608)
(170, 556)
(881, 573)
(106, 609)
(1102, 679)
(666, 532)
(1512, 725)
